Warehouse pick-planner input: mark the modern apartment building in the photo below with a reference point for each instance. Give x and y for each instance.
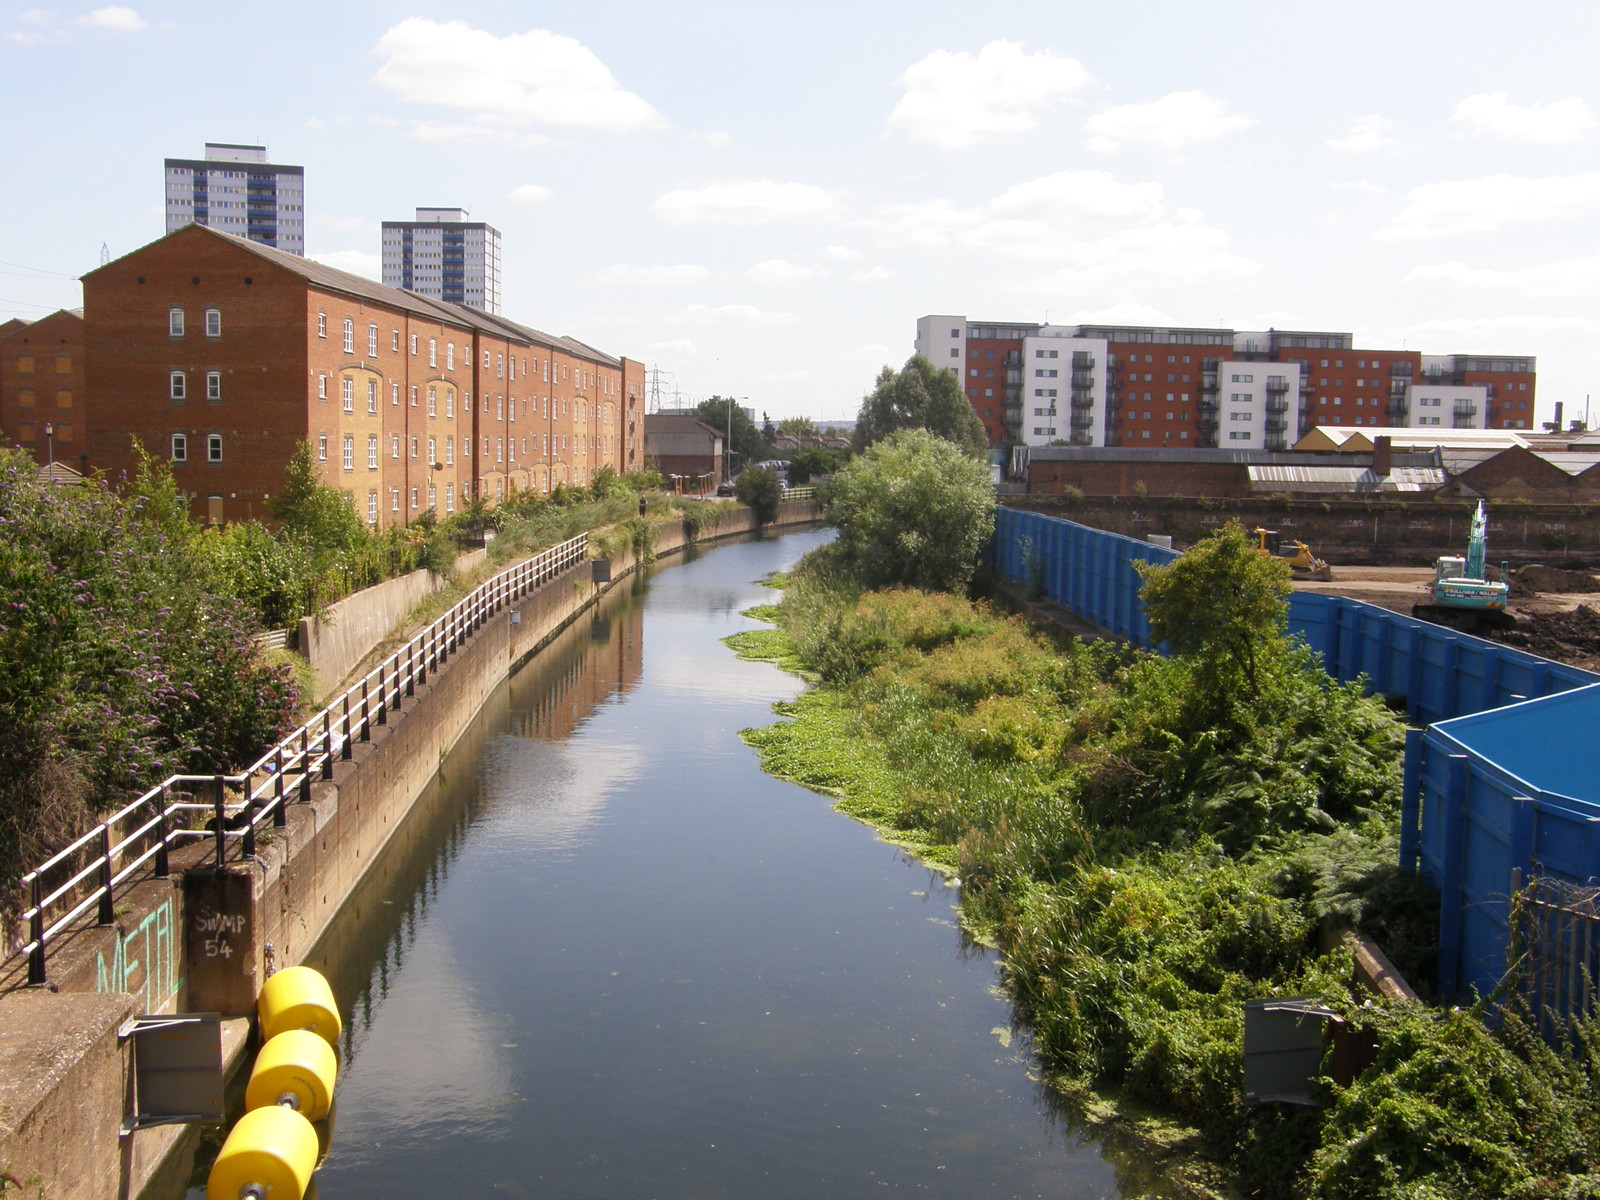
(444, 256)
(222, 355)
(235, 189)
(1181, 387)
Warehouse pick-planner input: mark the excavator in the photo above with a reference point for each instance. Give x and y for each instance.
(1462, 597)
(1297, 555)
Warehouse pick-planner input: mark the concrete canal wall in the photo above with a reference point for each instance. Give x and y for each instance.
(201, 941)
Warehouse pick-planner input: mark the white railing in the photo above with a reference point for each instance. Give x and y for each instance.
(88, 873)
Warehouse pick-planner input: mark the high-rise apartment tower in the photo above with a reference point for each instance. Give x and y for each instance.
(444, 256)
(235, 189)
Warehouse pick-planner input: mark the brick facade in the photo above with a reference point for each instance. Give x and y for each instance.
(42, 387)
(222, 356)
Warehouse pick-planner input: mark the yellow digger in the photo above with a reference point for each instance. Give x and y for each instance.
(1297, 555)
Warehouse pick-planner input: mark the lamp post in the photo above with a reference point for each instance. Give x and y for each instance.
(50, 446)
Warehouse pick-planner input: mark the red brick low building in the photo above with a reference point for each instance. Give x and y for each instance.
(42, 386)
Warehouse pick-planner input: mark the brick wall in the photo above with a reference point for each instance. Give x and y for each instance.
(42, 383)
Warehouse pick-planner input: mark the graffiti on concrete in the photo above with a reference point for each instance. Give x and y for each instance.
(144, 960)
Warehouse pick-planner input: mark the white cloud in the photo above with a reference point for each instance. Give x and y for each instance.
(955, 100)
(114, 19)
(1508, 330)
(533, 78)
(683, 346)
(841, 254)
(734, 314)
(1163, 254)
(871, 352)
(1569, 277)
(1493, 114)
(1366, 136)
(529, 193)
(1168, 124)
(777, 270)
(681, 275)
(434, 131)
(748, 202)
(1127, 313)
(717, 139)
(877, 274)
(1483, 205)
(357, 262)
(1360, 185)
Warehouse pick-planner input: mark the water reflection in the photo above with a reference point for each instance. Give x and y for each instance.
(610, 957)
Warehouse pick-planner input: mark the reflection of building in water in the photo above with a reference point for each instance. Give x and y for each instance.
(608, 666)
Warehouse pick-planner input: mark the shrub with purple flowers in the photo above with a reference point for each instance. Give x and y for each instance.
(122, 660)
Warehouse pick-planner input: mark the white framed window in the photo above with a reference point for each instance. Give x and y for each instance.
(485, 360)
(178, 385)
(413, 445)
(449, 403)
(449, 497)
(499, 366)
(180, 447)
(322, 325)
(347, 389)
(433, 401)
(413, 395)
(322, 447)
(349, 336)
(433, 352)
(450, 451)
(322, 387)
(449, 356)
(372, 507)
(395, 344)
(433, 451)
(372, 396)
(500, 408)
(213, 447)
(372, 341)
(213, 322)
(413, 497)
(349, 452)
(394, 499)
(372, 452)
(394, 445)
(433, 496)
(213, 385)
(413, 345)
(174, 322)
(499, 449)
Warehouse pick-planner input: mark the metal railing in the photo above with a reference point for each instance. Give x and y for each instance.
(232, 808)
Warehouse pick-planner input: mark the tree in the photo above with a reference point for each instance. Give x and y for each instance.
(745, 442)
(913, 510)
(1222, 602)
(761, 490)
(810, 461)
(798, 426)
(309, 509)
(920, 396)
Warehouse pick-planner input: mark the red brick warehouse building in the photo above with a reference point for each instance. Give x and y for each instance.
(42, 387)
(222, 355)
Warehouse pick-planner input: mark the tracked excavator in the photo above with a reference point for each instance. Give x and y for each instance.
(1462, 596)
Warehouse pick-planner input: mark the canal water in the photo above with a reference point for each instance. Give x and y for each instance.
(609, 957)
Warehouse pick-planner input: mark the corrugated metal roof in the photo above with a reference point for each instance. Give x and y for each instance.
(1269, 477)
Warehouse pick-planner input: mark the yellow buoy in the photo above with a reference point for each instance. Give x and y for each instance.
(298, 998)
(269, 1155)
(297, 1069)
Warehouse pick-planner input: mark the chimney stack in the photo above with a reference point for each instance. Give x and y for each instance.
(1382, 456)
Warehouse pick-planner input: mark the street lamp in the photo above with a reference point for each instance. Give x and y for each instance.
(50, 446)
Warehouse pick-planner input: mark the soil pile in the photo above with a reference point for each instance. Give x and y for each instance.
(1535, 578)
(1569, 637)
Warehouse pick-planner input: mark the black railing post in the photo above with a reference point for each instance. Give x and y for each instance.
(107, 909)
(411, 668)
(221, 822)
(327, 744)
(347, 751)
(280, 814)
(36, 936)
(383, 698)
(305, 766)
(366, 715)
(163, 866)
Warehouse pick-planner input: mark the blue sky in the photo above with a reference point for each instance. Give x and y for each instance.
(760, 199)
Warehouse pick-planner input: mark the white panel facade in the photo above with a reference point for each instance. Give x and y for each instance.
(942, 340)
(1063, 389)
(1450, 406)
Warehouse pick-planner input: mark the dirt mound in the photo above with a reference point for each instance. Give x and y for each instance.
(1569, 637)
(1535, 577)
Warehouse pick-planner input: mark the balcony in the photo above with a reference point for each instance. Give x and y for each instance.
(1082, 379)
(1080, 438)
(1277, 385)
(1208, 383)
(1276, 423)
(1082, 402)
(1208, 422)
(1207, 405)
(1465, 410)
(1400, 369)
(1277, 404)
(1397, 410)
(1082, 360)
(1275, 442)
(1082, 420)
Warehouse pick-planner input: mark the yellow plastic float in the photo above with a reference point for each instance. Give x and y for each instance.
(269, 1155)
(298, 998)
(296, 1069)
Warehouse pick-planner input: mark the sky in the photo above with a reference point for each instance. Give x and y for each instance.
(760, 199)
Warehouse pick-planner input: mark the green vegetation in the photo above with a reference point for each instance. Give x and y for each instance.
(912, 510)
(124, 655)
(762, 491)
(920, 396)
(1152, 841)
